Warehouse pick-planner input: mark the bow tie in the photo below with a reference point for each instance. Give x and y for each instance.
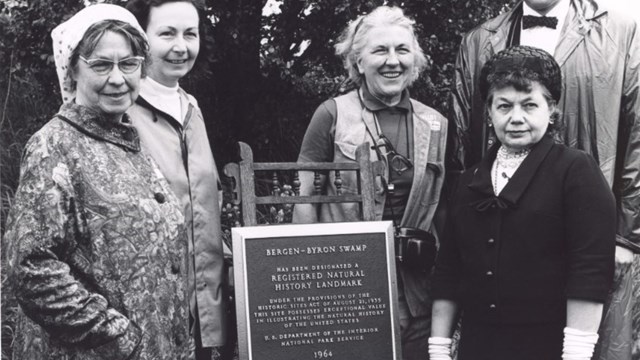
(529, 21)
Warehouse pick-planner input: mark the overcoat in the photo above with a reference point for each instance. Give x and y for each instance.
(183, 153)
(96, 246)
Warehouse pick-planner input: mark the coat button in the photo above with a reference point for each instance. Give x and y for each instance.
(492, 306)
(159, 197)
(179, 339)
(491, 241)
(489, 273)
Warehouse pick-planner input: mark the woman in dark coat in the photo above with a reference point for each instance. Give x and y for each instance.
(528, 253)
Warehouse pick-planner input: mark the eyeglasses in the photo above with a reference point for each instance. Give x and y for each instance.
(398, 162)
(104, 66)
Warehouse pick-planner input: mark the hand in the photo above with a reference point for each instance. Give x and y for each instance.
(623, 255)
(624, 259)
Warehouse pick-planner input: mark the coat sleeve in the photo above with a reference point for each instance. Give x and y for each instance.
(590, 230)
(627, 186)
(461, 98)
(317, 144)
(448, 267)
(42, 229)
(458, 139)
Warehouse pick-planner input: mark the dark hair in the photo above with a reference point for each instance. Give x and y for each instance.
(523, 62)
(523, 81)
(520, 67)
(142, 8)
(94, 33)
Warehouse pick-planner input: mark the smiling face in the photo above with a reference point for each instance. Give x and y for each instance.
(520, 119)
(112, 93)
(174, 41)
(387, 62)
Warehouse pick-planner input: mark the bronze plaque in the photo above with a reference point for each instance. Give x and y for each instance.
(321, 291)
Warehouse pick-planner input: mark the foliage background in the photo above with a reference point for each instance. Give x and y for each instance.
(259, 77)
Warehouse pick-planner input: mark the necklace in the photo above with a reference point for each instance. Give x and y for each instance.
(505, 165)
(513, 159)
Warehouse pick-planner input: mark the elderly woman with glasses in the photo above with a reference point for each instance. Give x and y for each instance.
(382, 56)
(527, 255)
(97, 247)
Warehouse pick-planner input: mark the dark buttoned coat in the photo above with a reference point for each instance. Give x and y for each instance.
(549, 235)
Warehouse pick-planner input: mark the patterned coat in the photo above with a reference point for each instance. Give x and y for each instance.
(97, 246)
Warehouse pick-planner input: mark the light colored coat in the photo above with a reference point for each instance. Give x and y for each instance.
(184, 156)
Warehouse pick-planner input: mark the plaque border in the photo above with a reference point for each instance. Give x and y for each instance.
(240, 235)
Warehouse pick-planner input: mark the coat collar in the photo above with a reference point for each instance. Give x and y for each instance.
(175, 123)
(373, 104)
(91, 123)
(581, 17)
(515, 188)
(499, 28)
(577, 26)
(587, 9)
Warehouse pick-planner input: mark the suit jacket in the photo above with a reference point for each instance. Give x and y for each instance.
(548, 236)
(599, 54)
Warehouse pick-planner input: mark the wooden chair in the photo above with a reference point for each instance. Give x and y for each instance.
(244, 187)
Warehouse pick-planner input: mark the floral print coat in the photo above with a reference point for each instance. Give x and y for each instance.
(97, 246)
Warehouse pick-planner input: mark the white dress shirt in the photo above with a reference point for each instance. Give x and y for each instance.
(543, 37)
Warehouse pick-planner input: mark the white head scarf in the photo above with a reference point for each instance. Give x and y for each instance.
(67, 36)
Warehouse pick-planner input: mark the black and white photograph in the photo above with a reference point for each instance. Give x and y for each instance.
(320, 180)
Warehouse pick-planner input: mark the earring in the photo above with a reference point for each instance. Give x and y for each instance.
(490, 124)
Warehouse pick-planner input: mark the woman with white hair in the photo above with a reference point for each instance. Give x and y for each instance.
(382, 56)
(97, 245)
